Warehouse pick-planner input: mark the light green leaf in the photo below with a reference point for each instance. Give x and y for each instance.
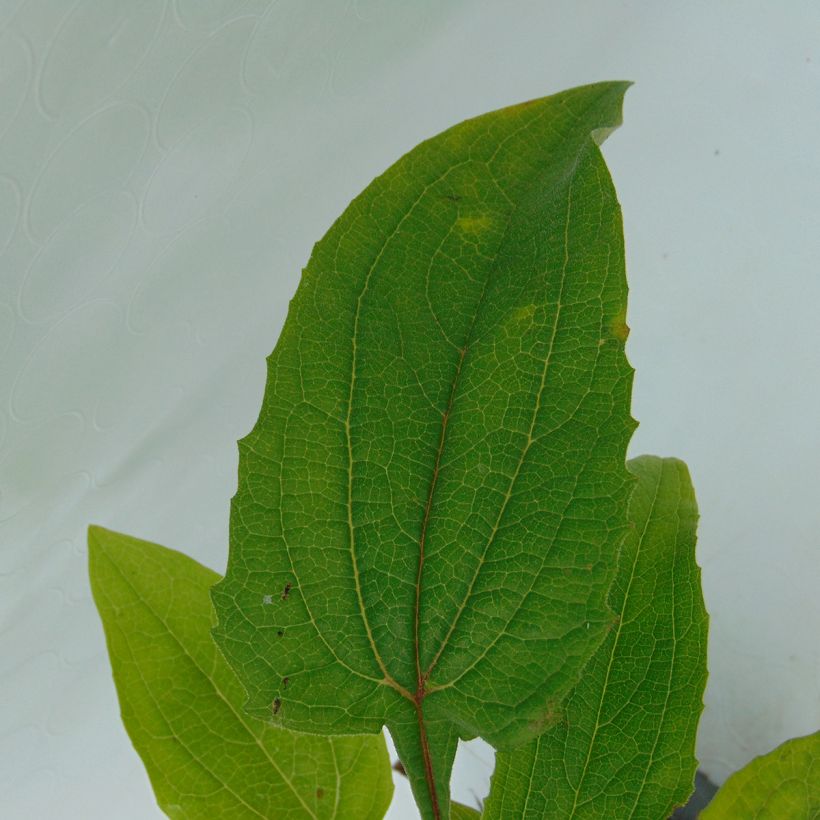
(458, 811)
(782, 785)
(430, 505)
(625, 748)
(181, 703)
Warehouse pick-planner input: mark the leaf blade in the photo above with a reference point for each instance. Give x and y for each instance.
(390, 490)
(781, 785)
(458, 811)
(626, 746)
(181, 703)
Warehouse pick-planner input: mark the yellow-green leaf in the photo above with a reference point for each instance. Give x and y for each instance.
(782, 785)
(182, 704)
(458, 811)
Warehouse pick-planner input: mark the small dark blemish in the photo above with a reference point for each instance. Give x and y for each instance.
(717, 152)
(277, 705)
(452, 197)
(286, 591)
(522, 105)
(320, 793)
(398, 766)
(551, 715)
(280, 632)
(619, 327)
(285, 682)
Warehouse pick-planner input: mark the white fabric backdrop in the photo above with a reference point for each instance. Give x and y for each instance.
(165, 167)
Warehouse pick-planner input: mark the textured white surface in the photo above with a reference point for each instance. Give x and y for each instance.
(165, 167)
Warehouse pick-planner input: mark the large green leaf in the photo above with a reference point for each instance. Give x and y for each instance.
(182, 704)
(430, 505)
(782, 785)
(625, 747)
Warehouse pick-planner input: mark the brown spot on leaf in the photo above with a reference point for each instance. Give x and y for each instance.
(522, 105)
(280, 632)
(549, 717)
(398, 766)
(286, 591)
(619, 327)
(285, 682)
(320, 793)
(277, 705)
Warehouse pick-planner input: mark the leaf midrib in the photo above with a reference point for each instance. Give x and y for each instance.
(524, 452)
(614, 649)
(389, 679)
(491, 265)
(671, 669)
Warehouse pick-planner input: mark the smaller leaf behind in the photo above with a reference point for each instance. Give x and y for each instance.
(625, 748)
(182, 704)
(782, 785)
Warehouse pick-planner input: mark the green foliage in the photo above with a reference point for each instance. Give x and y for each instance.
(182, 704)
(782, 785)
(625, 746)
(432, 529)
(434, 494)
(461, 812)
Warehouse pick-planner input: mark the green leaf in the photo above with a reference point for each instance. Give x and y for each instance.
(625, 747)
(181, 703)
(430, 505)
(458, 811)
(782, 785)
